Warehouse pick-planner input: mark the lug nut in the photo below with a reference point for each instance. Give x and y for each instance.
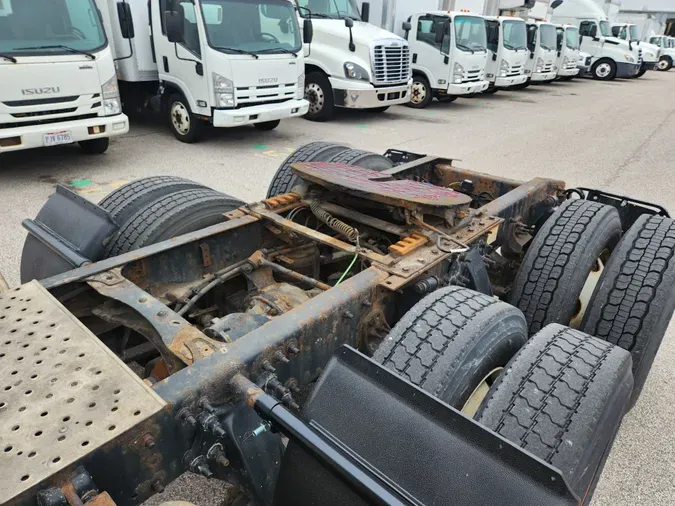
(148, 441)
(279, 355)
(293, 349)
(268, 367)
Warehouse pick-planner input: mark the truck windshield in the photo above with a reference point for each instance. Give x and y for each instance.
(254, 26)
(470, 33)
(32, 27)
(515, 35)
(572, 38)
(332, 9)
(634, 32)
(605, 29)
(547, 37)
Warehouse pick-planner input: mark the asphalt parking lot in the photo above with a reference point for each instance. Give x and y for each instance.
(618, 136)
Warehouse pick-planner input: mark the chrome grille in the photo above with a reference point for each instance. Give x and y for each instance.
(391, 62)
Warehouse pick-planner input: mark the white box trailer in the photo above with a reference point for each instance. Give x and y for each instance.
(57, 77)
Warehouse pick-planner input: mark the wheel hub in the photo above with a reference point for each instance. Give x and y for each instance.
(589, 287)
(480, 392)
(180, 118)
(315, 96)
(662, 65)
(603, 70)
(418, 93)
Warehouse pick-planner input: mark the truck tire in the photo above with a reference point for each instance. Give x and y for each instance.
(604, 69)
(170, 216)
(284, 179)
(634, 300)
(562, 398)
(421, 93)
(184, 124)
(266, 126)
(378, 110)
(562, 259)
(127, 200)
(454, 342)
(448, 98)
(490, 91)
(640, 73)
(319, 93)
(665, 63)
(363, 159)
(95, 146)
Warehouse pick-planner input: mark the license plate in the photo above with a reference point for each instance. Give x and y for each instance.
(56, 138)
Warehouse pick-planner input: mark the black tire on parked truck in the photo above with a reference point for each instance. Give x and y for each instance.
(95, 146)
(604, 69)
(453, 344)
(184, 124)
(284, 179)
(319, 93)
(634, 300)
(561, 259)
(562, 398)
(266, 126)
(170, 216)
(128, 199)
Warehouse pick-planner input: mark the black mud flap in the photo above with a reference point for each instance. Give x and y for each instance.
(68, 232)
(630, 209)
(420, 450)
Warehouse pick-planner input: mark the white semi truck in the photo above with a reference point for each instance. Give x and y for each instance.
(611, 57)
(57, 77)
(666, 53)
(629, 32)
(226, 62)
(569, 54)
(350, 62)
(449, 54)
(541, 65)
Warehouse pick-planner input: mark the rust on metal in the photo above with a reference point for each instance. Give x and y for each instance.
(190, 345)
(408, 244)
(282, 201)
(379, 187)
(365, 219)
(71, 496)
(495, 185)
(102, 499)
(207, 259)
(245, 389)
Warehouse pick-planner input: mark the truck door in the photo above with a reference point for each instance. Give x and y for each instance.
(428, 55)
(182, 63)
(492, 33)
(590, 42)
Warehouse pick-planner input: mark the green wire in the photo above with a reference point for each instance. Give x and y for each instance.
(348, 269)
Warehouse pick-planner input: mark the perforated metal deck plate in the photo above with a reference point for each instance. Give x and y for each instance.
(63, 393)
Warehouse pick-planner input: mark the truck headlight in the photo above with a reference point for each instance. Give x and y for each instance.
(503, 68)
(540, 65)
(566, 61)
(300, 92)
(629, 59)
(224, 90)
(111, 98)
(457, 73)
(354, 71)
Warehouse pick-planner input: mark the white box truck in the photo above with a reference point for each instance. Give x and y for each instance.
(449, 54)
(568, 55)
(227, 62)
(507, 52)
(611, 57)
(350, 62)
(541, 64)
(629, 32)
(57, 77)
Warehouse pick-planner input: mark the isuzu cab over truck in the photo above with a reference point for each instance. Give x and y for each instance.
(611, 57)
(226, 62)
(629, 32)
(449, 54)
(350, 62)
(666, 53)
(57, 78)
(507, 52)
(567, 44)
(541, 42)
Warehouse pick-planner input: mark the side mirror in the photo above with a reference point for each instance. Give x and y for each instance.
(365, 11)
(494, 56)
(174, 21)
(126, 21)
(349, 22)
(439, 29)
(406, 26)
(307, 31)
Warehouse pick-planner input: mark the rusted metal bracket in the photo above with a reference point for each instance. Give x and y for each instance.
(163, 327)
